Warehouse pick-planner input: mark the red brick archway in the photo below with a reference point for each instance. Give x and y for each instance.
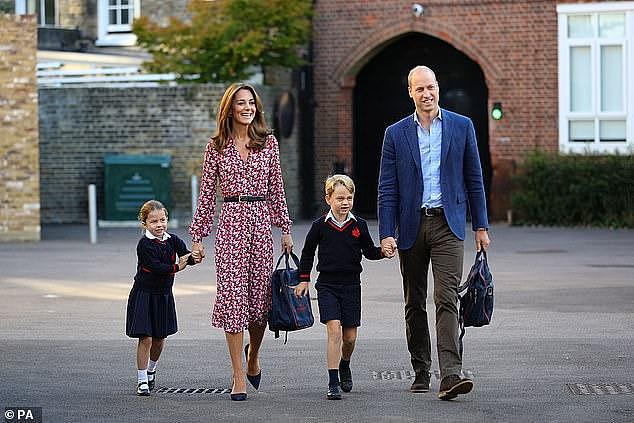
(346, 71)
(358, 56)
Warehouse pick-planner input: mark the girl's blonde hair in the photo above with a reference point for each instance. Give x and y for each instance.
(258, 130)
(334, 180)
(148, 207)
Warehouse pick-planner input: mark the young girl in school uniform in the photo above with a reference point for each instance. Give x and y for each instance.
(151, 314)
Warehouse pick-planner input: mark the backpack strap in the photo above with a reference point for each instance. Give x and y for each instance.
(462, 332)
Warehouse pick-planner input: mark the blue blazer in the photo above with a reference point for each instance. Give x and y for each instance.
(400, 190)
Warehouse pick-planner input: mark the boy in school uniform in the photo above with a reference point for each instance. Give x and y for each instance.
(342, 239)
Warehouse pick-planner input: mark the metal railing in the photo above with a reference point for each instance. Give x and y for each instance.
(123, 76)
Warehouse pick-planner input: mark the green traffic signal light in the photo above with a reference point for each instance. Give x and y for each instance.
(496, 111)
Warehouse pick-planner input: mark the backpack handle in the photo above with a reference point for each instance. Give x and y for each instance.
(480, 256)
(285, 255)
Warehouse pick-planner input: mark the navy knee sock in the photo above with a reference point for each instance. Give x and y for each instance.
(333, 376)
(344, 364)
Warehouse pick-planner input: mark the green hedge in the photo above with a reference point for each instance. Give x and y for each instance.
(575, 190)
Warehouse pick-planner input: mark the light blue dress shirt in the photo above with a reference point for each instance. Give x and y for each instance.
(430, 143)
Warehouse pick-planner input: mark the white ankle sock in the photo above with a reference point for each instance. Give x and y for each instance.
(152, 366)
(142, 375)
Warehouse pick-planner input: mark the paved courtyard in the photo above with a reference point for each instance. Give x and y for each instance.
(560, 347)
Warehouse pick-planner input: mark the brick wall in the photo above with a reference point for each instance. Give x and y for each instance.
(515, 44)
(19, 179)
(81, 14)
(79, 126)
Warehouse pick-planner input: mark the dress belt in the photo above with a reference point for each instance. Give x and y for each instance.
(432, 211)
(244, 198)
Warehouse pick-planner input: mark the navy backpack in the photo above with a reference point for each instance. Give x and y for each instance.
(288, 312)
(476, 295)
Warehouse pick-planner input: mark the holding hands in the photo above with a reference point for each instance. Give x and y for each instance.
(182, 261)
(388, 247)
(198, 251)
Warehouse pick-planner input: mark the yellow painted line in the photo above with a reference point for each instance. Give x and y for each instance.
(98, 290)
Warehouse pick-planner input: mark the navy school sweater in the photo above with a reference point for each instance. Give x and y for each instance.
(156, 263)
(340, 250)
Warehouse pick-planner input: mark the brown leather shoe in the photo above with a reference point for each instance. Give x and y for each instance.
(421, 383)
(453, 385)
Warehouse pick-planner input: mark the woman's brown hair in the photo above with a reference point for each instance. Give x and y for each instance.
(258, 130)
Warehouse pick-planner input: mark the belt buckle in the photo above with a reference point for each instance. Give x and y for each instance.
(425, 209)
(241, 198)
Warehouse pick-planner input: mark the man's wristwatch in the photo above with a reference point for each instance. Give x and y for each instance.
(482, 230)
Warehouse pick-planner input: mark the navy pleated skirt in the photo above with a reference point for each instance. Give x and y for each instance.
(150, 314)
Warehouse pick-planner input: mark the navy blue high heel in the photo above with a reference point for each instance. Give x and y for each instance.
(242, 396)
(253, 380)
(239, 396)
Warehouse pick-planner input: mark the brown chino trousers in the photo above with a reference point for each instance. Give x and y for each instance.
(436, 243)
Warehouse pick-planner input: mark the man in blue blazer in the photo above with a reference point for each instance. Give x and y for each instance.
(430, 170)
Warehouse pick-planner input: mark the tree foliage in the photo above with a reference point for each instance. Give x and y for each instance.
(225, 39)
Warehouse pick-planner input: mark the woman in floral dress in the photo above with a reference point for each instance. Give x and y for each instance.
(243, 158)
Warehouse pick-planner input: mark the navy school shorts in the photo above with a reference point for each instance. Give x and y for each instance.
(339, 302)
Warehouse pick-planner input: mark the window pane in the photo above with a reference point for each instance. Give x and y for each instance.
(580, 26)
(112, 2)
(49, 12)
(124, 2)
(112, 17)
(611, 78)
(580, 79)
(612, 131)
(125, 17)
(612, 25)
(581, 131)
(31, 6)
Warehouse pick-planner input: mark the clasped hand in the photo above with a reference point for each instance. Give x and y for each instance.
(388, 247)
(198, 251)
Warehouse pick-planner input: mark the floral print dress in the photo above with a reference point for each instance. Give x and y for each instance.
(244, 243)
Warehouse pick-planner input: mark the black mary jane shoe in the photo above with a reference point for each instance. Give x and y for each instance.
(253, 380)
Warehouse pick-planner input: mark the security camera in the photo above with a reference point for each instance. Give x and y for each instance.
(418, 9)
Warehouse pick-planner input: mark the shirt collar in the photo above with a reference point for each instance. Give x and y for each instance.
(150, 236)
(332, 217)
(437, 117)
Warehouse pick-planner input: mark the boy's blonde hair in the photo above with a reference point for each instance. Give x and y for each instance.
(148, 207)
(334, 180)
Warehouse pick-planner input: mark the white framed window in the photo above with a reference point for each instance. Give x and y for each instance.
(596, 77)
(114, 19)
(45, 10)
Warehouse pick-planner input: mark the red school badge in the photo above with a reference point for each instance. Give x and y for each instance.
(356, 232)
